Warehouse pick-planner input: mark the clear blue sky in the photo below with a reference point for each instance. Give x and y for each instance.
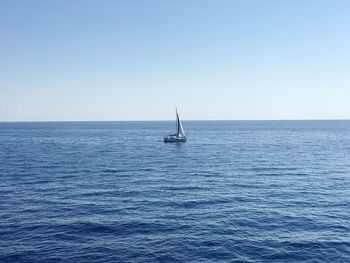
(138, 60)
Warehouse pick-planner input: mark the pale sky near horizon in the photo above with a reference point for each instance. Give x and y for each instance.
(138, 60)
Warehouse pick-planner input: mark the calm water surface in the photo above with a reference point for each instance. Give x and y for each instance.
(245, 191)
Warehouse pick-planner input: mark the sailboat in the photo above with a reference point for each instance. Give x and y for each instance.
(180, 135)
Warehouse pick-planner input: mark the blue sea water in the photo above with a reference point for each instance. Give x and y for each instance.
(237, 191)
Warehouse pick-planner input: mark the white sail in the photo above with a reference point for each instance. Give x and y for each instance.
(181, 130)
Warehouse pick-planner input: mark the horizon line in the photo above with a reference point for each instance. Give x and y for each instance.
(42, 121)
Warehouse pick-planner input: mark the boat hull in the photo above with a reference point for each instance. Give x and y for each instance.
(174, 139)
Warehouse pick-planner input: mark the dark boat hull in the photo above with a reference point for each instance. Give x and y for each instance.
(174, 139)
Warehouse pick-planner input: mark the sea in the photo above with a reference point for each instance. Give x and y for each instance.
(236, 191)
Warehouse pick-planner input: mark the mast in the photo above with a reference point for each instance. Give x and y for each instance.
(177, 124)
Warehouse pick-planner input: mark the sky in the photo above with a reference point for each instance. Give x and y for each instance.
(140, 59)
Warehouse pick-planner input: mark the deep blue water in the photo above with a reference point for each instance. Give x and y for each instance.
(264, 191)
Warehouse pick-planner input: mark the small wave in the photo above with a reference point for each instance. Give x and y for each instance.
(183, 188)
(198, 203)
(113, 171)
(117, 228)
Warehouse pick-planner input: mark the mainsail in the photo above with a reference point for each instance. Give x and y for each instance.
(179, 129)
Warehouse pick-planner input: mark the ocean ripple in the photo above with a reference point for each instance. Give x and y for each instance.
(235, 192)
